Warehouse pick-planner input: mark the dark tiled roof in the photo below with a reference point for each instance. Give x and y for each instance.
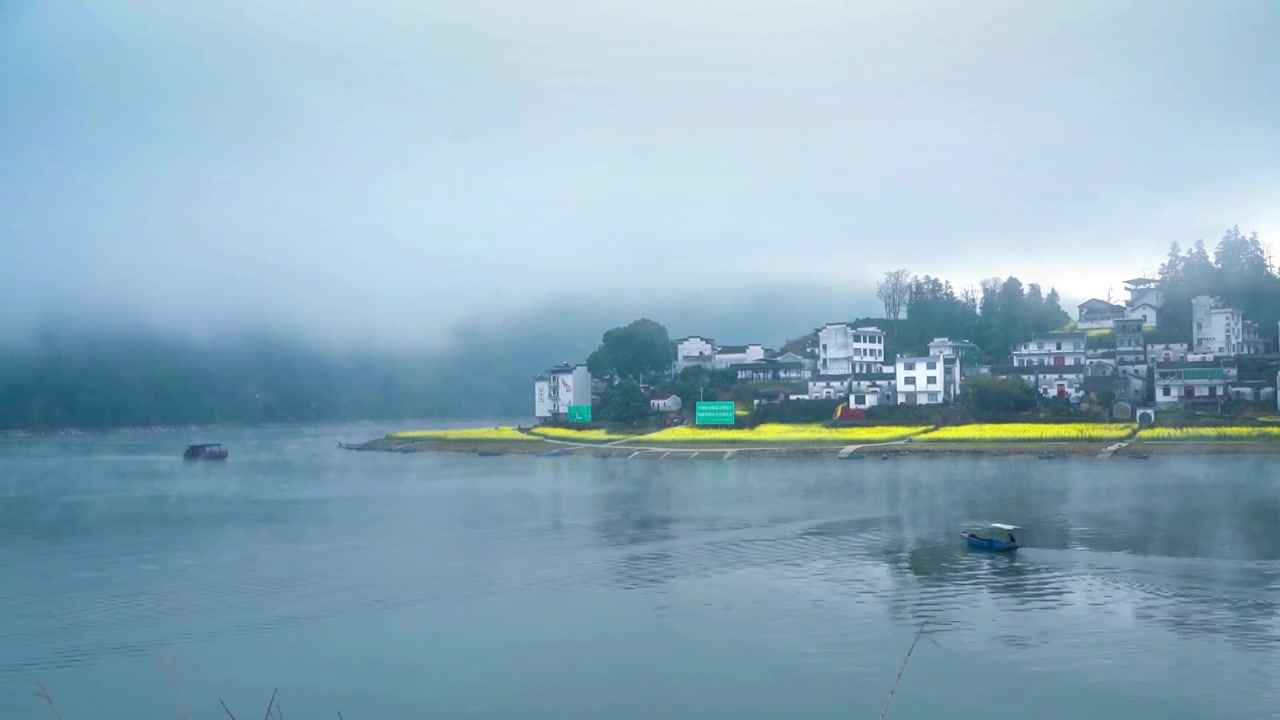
(829, 378)
(873, 377)
(1200, 365)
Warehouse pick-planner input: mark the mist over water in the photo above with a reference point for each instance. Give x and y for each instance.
(451, 585)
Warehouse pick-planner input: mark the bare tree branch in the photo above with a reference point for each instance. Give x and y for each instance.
(893, 292)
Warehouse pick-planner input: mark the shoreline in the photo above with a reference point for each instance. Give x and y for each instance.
(871, 451)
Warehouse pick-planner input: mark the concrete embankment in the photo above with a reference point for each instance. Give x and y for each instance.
(638, 450)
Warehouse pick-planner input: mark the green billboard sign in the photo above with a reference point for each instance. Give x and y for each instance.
(714, 413)
(579, 413)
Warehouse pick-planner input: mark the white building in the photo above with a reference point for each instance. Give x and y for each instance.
(737, 355)
(872, 389)
(1060, 349)
(1146, 299)
(665, 403)
(828, 387)
(562, 386)
(1060, 381)
(695, 351)
(1166, 352)
(808, 361)
(947, 347)
(1097, 314)
(844, 349)
(1216, 327)
(1254, 342)
(1189, 382)
(927, 380)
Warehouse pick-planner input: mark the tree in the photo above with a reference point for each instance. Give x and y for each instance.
(993, 396)
(624, 403)
(893, 292)
(633, 351)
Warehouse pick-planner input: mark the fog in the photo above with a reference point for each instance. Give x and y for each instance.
(397, 173)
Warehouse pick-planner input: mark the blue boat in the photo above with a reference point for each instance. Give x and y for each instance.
(989, 542)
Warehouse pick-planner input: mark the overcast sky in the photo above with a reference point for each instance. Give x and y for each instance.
(387, 169)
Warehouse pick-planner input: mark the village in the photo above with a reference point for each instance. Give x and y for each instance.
(1103, 359)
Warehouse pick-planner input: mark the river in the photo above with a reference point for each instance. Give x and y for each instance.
(390, 586)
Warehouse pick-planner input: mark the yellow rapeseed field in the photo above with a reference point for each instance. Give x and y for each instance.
(1028, 432)
(572, 434)
(505, 434)
(779, 433)
(1237, 434)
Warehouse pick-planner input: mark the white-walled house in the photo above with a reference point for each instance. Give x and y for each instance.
(665, 402)
(872, 389)
(1166, 352)
(1097, 314)
(1217, 328)
(729, 355)
(1189, 382)
(695, 351)
(927, 379)
(1061, 381)
(1146, 300)
(808, 361)
(1060, 349)
(947, 347)
(562, 386)
(844, 349)
(828, 387)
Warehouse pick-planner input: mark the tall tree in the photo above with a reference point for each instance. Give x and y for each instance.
(640, 348)
(894, 292)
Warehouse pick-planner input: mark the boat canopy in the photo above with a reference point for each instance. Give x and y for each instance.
(202, 446)
(1002, 526)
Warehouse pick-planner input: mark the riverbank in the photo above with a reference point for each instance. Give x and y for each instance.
(638, 449)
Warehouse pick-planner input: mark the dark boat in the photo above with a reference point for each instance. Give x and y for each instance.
(488, 453)
(1138, 456)
(1050, 456)
(205, 451)
(855, 456)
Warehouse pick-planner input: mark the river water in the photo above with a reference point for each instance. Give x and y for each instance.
(438, 585)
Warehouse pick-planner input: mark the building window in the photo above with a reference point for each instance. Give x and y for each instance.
(909, 366)
(931, 365)
(1039, 346)
(933, 397)
(931, 380)
(909, 381)
(1058, 346)
(859, 399)
(1213, 391)
(1165, 391)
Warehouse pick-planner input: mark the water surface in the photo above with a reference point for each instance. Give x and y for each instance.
(436, 585)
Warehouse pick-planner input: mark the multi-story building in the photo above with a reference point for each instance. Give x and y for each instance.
(560, 387)
(695, 351)
(947, 347)
(1061, 349)
(1217, 328)
(1254, 342)
(1146, 300)
(844, 349)
(927, 380)
(1187, 382)
(1096, 314)
(1055, 363)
